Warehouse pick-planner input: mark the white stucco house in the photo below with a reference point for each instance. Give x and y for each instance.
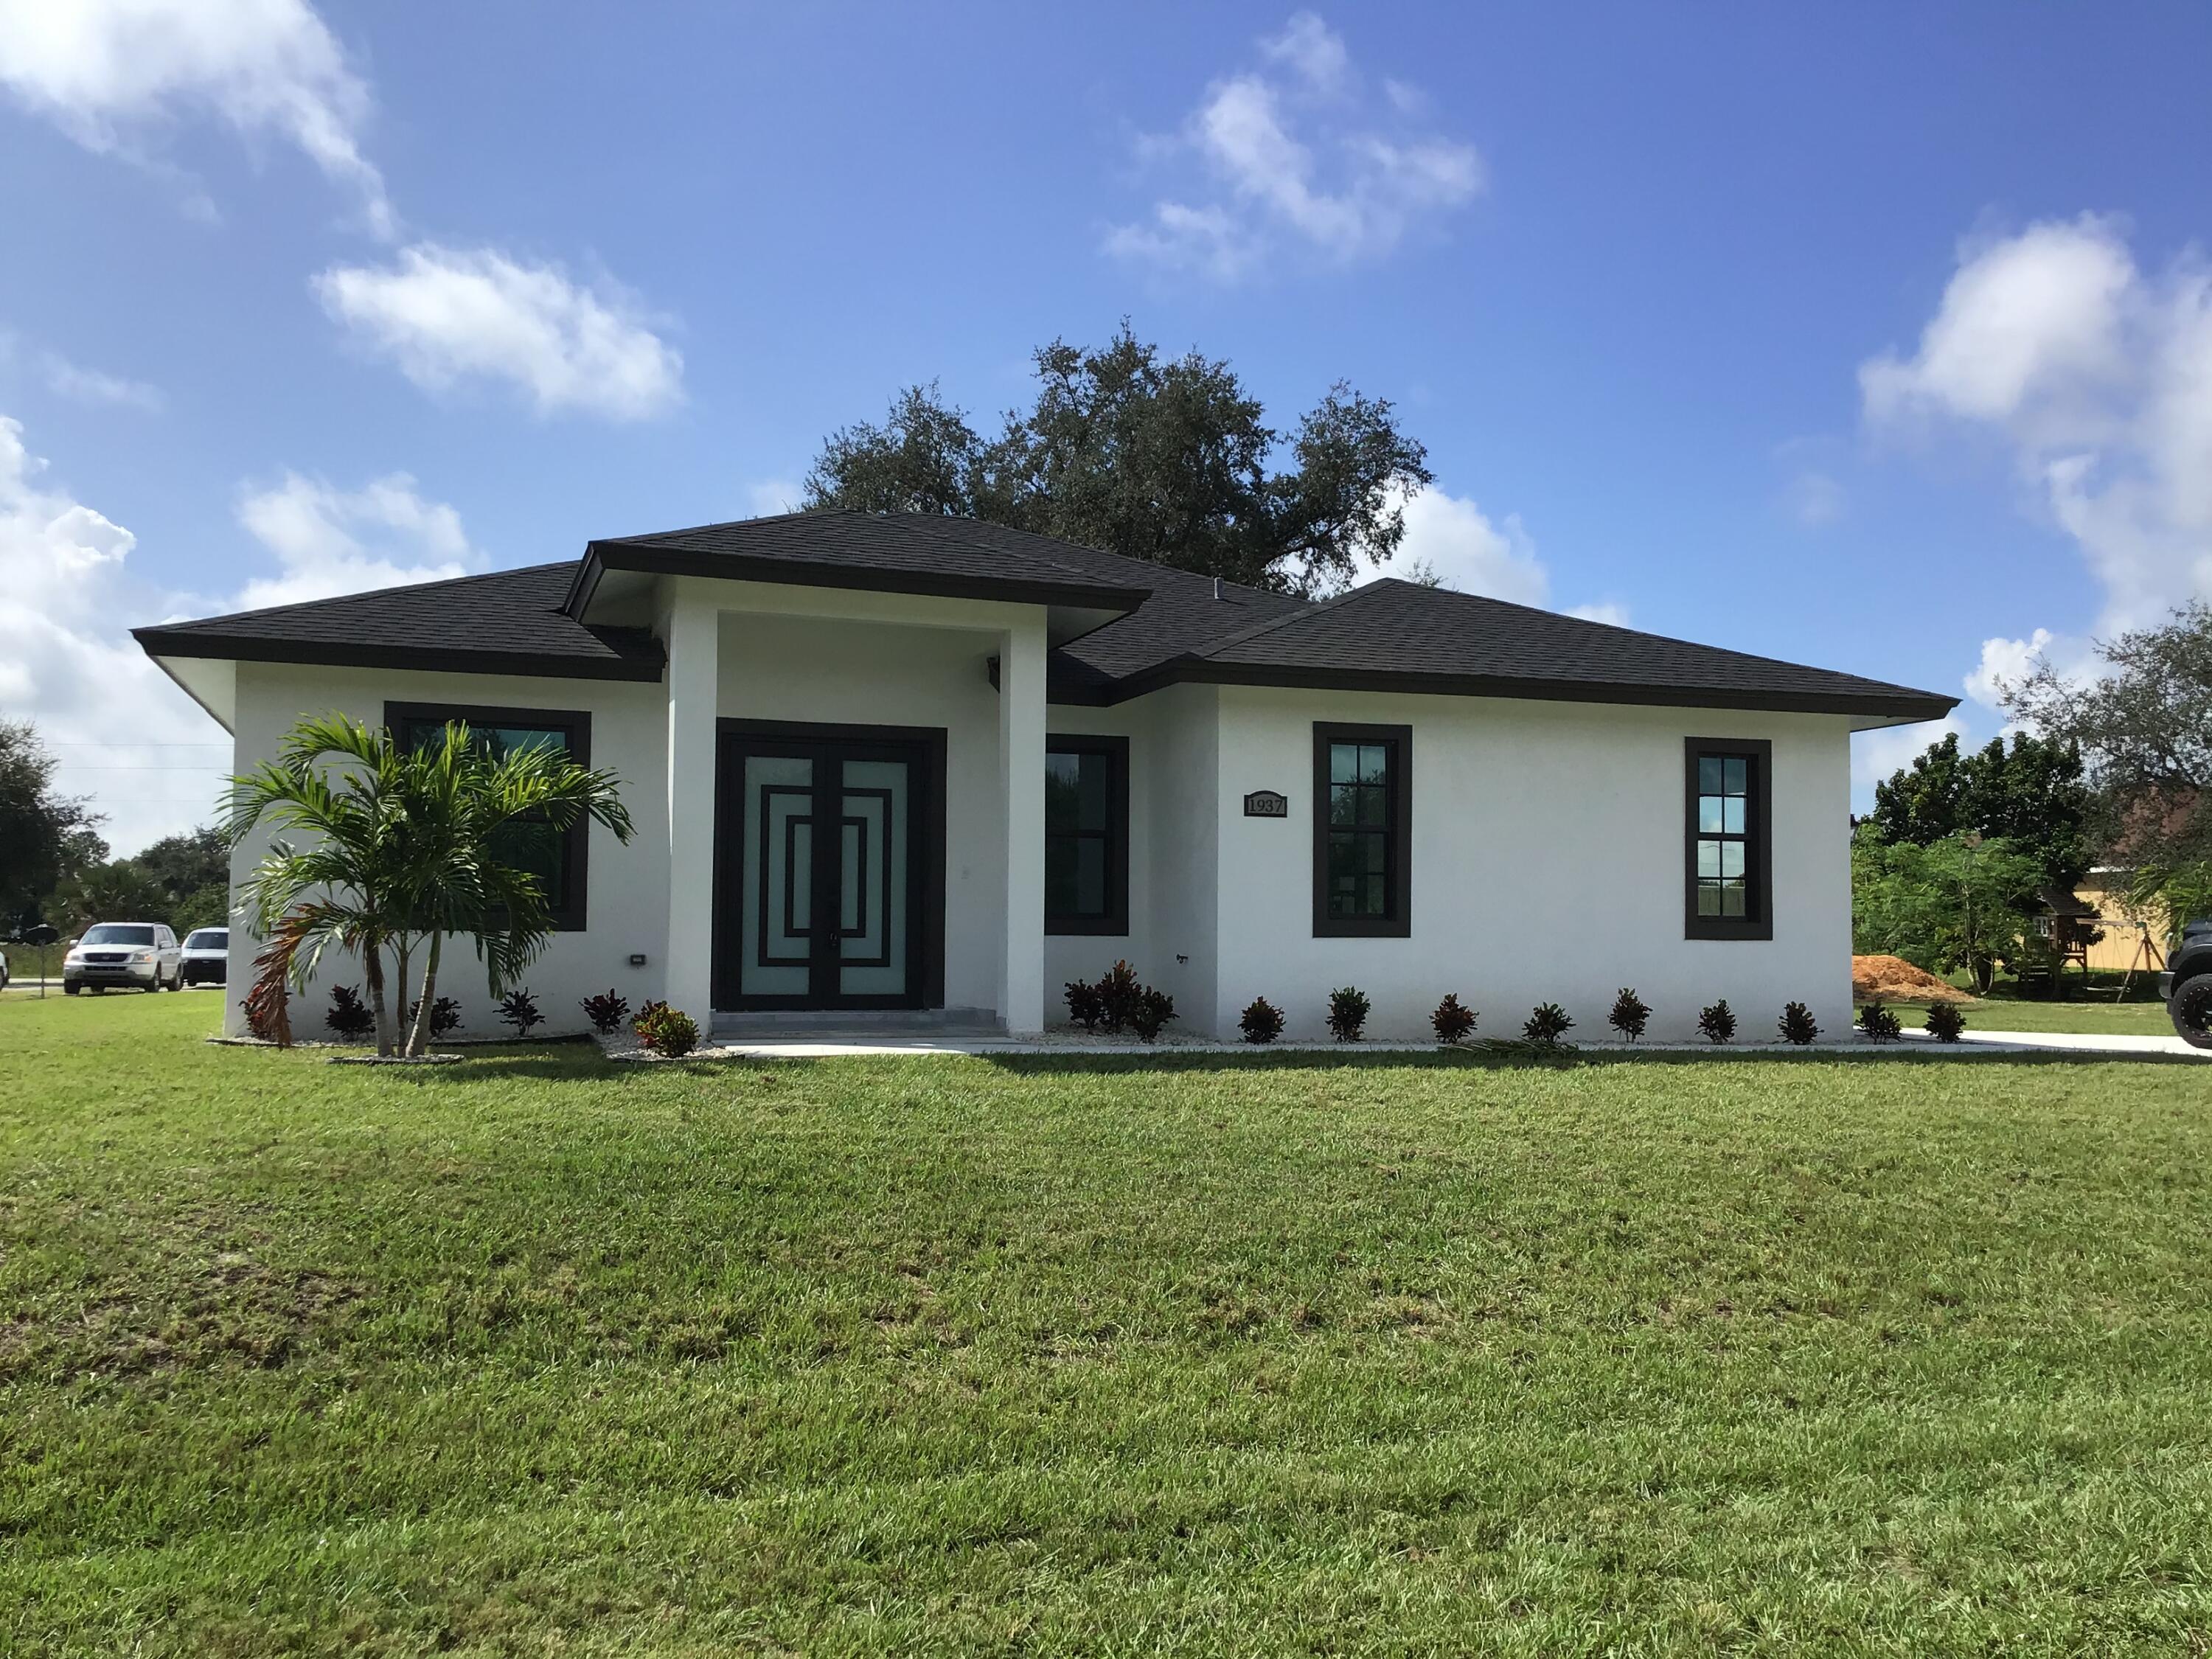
(910, 768)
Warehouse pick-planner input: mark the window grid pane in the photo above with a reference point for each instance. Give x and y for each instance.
(1359, 844)
(1724, 836)
(1079, 835)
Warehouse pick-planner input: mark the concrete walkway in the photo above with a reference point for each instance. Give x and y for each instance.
(2079, 1042)
(830, 1045)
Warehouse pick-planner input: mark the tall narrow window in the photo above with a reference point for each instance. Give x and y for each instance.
(556, 857)
(1362, 829)
(1086, 835)
(1729, 889)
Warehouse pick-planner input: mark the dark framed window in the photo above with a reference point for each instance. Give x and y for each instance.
(1363, 830)
(1728, 876)
(558, 858)
(1086, 835)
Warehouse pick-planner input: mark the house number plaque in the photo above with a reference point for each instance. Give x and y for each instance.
(1266, 804)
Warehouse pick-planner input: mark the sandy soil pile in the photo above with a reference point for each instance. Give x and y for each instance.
(1894, 979)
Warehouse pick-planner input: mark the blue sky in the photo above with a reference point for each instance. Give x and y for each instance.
(1874, 336)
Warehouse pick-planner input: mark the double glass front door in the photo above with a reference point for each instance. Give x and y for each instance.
(821, 874)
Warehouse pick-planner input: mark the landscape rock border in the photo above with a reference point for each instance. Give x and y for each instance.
(393, 1059)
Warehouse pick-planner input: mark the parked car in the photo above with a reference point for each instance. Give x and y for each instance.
(206, 956)
(2187, 984)
(140, 955)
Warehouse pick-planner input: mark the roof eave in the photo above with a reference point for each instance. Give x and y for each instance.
(584, 583)
(600, 556)
(1905, 705)
(157, 641)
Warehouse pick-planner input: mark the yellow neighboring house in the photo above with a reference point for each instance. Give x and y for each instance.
(2121, 948)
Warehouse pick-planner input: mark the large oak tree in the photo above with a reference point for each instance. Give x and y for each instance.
(2144, 727)
(1170, 459)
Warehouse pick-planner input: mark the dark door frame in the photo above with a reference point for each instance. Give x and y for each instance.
(923, 748)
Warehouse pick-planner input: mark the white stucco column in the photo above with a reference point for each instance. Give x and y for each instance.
(691, 632)
(1021, 758)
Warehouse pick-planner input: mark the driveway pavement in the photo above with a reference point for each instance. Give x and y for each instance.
(2074, 1043)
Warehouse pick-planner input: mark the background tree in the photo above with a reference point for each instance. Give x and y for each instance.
(922, 460)
(2031, 796)
(120, 891)
(1169, 459)
(45, 837)
(194, 872)
(1946, 905)
(2145, 729)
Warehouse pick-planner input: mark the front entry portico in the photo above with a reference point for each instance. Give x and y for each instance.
(829, 866)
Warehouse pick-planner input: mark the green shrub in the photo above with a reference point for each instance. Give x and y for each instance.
(445, 1016)
(1454, 1020)
(1261, 1023)
(1120, 1002)
(675, 1033)
(1878, 1023)
(606, 1011)
(1120, 996)
(1797, 1024)
(349, 1017)
(1546, 1024)
(666, 1029)
(518, 1008)
(1945, 1022)
(1347, 1013)
(1717, 1022)
(1154, 1009)
(1630, 1015)
(1086, 1007)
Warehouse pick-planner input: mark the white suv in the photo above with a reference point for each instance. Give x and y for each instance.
(130, 955)
(206, 959)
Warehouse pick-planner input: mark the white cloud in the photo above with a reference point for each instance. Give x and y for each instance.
(112, 73)
(1815, 498)
(126, 736)
(2100, 379)
(1303, 159)
(1180, 238)
(89, 385)
(1313, 51)
(773, 497)
(446, 315)
(151, 760)
(2005, 662)
(1609, 612)
(2033, 318)
(1877, 754)
(331, 541)
(1452, 536)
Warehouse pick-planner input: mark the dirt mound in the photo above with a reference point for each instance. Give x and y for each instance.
(1894, 979)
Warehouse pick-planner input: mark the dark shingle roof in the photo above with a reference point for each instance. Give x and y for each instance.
(1401, 635)
(508, 623)
(885, 552)
(1388, 636)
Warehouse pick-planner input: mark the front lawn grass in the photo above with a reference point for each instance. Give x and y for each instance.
(2028, 1014)
(2087, 1003)
(1889, 1355)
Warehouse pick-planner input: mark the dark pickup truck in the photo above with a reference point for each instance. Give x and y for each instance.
(2187, 984)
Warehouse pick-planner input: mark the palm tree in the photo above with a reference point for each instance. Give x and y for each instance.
(407, 844)
(465, 806)
(343, 888)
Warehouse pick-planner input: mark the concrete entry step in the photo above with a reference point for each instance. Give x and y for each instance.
(834, 1024)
